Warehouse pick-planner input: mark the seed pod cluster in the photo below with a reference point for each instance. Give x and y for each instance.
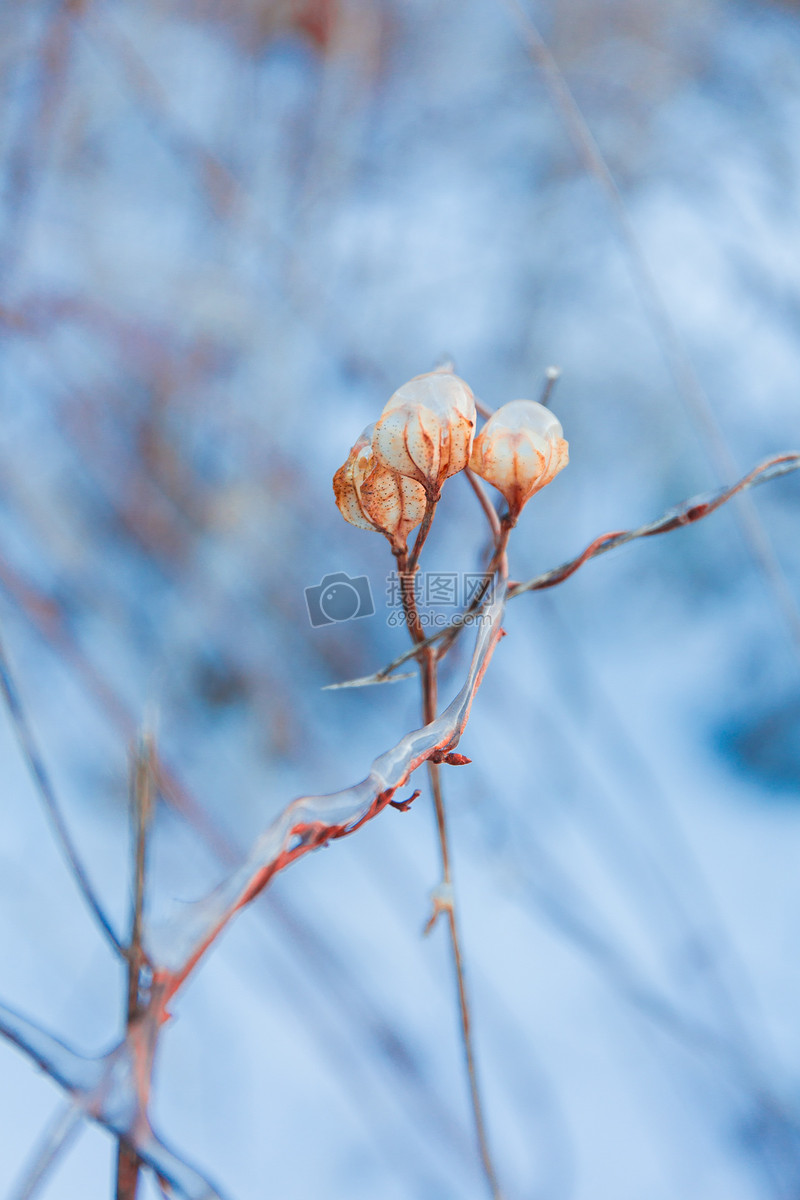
(425, 434)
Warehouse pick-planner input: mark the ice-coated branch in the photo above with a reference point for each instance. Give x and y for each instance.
(676, 358)
(682, 514)
(41, 778)
(105, 1090)
(142, 791)
(73, 1072)
(175, 947)
(57, 1138)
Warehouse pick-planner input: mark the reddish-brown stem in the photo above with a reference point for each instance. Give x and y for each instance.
(684, 514)
(445, 902)
(497, 562)
(429, 674)
(424, 530)
(407, 596)
(142, 773)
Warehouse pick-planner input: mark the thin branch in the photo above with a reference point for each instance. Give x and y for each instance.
(27, 160)
(42, 615)
(104, 1090)
(142, 796)
(113, 46)
(444, 897)
(47, 795)
(61, 1131)
(371, 680)
(497, 564)
(444, 902)
(686, 513)
(422, 534)
(312, 821)
(679, 364)
(675, 518)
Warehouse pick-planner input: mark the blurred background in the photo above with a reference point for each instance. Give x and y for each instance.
(228, 231)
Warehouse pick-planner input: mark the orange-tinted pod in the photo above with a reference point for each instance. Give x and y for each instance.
(519, 450)
(425, 431)
(372, 496)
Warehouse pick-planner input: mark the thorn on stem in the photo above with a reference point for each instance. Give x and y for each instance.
(442, 900)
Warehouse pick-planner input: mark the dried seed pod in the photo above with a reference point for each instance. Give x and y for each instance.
(372, 496)
(425, 431)
(519, 450)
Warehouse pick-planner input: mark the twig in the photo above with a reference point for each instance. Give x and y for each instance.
(56, 1140)
(678, 362)
(47, 794)
(497, 564)
(42, 615)
(444, 902)
(422, 534)
(445, 897)
(142, 795)
(312, 821)
(683, 514)
(369, 680)
(101, 1089)
(27, 161)
(551, 378)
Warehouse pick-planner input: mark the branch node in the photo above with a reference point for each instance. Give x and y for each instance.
(442, 901)
(405, 805)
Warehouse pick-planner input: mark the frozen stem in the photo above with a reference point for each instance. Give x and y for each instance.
(47, 794)
(424, 530)
(686, 513)
(142, 794)
(444, 897)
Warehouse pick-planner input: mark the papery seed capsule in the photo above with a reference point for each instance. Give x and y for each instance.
(372, 496)
(425, 431)
(519, 450)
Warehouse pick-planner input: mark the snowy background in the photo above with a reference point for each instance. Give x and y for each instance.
(228, 231)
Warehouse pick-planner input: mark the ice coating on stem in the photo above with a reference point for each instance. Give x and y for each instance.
(105, 1090)
(176, 945)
